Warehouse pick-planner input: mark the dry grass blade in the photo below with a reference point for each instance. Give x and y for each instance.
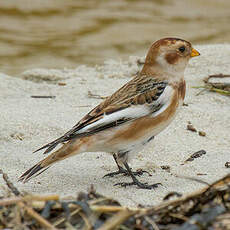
(99, 200)
(9, 184)
(117, 219)
(42, 221)
(107, 208)
(88, 226)
(63, 219)
(153, 224)
(207, 207)
(219, 185)
(96, 96)
(41, 198)
(222, 222)
(221, 88)
(14, 200)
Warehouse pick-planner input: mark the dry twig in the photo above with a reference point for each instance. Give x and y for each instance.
(221, 88)
(96, 96)
(208, 207)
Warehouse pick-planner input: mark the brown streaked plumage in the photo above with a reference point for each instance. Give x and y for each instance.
(133, 115)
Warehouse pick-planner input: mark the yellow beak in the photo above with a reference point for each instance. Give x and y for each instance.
(194, 53)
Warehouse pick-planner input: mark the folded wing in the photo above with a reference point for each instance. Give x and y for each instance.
(141, 96)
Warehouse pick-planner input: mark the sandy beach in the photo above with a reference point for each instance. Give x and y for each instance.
(27, 123)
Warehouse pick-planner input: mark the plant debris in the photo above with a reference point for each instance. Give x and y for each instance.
(140, 62)
(196, 155)
(17, 136)
(96, 96)
(171, 194)
(201, 174)
(218, 87)
(34, 96)
(207, 208)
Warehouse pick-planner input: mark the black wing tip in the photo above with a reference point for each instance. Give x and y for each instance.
(37, 150)
(49, 147)
(43, 147)
(25, 177)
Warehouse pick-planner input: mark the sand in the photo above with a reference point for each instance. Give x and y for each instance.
(27, 123)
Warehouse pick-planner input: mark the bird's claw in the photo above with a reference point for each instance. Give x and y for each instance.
(139, 172)
(139, 184)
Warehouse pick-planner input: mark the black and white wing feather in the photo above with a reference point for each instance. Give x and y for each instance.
(139, 97)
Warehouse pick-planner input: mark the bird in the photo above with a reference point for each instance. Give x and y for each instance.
(131, 117)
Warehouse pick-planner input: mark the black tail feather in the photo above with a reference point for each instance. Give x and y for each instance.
(31, 172)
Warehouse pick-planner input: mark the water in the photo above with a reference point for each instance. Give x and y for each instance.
(58, 34)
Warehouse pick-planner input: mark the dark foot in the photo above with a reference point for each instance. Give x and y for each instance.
(123, 171)
(112, 174)
(139, 172)
(139, 184)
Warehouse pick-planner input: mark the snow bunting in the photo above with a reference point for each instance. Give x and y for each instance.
(131, 117)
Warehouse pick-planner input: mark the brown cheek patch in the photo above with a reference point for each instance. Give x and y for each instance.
(172, 58)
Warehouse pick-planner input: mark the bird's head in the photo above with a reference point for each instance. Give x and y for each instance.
(169, 56)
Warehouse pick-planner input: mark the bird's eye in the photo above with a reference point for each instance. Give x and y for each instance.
(182, 49)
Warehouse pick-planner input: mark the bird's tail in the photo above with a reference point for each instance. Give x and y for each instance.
(65, 151)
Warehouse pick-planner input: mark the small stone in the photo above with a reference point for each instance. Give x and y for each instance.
(227, 164)
(61, 83)
(202, 133)
(190, 127)
(166, 168)
(185, 104)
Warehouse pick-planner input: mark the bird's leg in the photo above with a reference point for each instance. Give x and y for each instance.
(136, 182)
(120, 169)
(124, 171)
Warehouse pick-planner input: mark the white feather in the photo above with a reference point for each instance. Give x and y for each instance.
(132, 112)
(175, 71)
(164, 99)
